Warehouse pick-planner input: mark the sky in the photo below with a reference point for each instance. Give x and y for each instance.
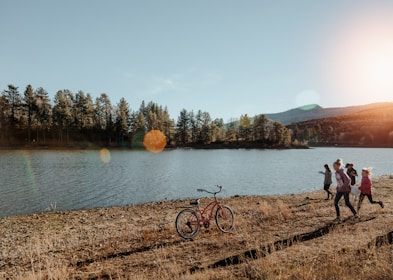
(224, 57)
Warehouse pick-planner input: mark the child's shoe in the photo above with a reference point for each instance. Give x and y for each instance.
(381, 203)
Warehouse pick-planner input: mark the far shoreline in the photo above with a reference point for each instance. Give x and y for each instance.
(212, 146)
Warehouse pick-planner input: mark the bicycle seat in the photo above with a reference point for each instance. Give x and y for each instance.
(194, 202)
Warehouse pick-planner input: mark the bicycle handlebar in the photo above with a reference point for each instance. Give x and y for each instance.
(214, 193)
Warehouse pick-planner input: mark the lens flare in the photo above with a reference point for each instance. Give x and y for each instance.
(307, 99)
(154, 141)
(30, 171)
(105, 155)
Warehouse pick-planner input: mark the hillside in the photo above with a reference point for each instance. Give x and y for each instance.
(370, 127)
(313, 111)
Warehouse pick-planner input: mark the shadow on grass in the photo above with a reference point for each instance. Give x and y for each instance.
(285, 243)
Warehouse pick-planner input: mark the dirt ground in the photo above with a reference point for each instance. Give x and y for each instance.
(275, 237)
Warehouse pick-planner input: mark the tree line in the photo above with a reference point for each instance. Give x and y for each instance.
(32, 118)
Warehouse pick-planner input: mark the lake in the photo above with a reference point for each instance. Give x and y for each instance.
(34, 181)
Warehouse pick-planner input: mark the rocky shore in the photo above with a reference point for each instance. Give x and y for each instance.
(275, 237)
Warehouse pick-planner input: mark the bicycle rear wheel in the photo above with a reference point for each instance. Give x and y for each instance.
(225, 218)
(187, 223)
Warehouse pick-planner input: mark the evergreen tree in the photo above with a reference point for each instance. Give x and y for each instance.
(122, 120)
(259, 128)
(43, 113)
(88, 121)
(206, 132)
(62, 113)
(183, 128)
(13, 98)
(108, 116)
(29, 105)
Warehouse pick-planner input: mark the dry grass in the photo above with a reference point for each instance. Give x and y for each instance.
(140, 242)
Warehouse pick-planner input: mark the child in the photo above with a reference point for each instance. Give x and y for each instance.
(343, 189)
(366, 188)
(328, 181)
(352, 173)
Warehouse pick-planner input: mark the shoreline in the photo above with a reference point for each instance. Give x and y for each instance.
(140, 240)
(50, 208)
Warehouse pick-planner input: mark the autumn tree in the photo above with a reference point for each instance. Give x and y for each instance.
(245, 127)
(231, 131)
(218, 130)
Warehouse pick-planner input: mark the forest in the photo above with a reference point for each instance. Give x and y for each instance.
(31, 118)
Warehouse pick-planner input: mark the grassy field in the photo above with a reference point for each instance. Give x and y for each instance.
(275, 237)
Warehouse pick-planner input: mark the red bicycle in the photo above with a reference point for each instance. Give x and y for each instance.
(189, 221)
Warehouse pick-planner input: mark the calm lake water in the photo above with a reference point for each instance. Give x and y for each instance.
(30, 181)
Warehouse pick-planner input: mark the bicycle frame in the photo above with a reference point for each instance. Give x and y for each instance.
(212, 206)
(202, 212)
(189, 221)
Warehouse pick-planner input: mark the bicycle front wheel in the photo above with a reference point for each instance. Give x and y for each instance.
(187, 223)
(225, 218)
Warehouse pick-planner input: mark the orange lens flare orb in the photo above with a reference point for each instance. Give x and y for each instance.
(105, 155)
(154, 141)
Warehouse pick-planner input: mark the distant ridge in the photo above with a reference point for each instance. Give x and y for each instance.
(314, 111)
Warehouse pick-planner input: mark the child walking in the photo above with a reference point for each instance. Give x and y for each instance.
(343, 189)
(328, 181)
(366, 189)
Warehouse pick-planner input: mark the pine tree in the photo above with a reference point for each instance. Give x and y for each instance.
(44, 110)
(30, 109)
(183, 128)
(122, 120)
(14, 100)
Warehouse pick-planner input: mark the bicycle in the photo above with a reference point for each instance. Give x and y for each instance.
(189, 221)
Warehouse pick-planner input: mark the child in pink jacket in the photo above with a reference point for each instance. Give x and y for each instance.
(366, 188)
(343, 190)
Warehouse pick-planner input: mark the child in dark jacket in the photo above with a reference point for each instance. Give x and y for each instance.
(366, 188)
(343, 189)
(327, 181)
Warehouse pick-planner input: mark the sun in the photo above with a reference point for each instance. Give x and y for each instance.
(377, 68)
(359, 58)
(366, 70)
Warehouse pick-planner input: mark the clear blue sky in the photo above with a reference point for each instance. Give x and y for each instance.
(225, 57)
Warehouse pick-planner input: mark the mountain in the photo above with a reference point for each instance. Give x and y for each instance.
(313, 111)
(372, 126)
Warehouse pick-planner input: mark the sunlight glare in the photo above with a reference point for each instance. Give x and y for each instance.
(378, 68)
(105, 155)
